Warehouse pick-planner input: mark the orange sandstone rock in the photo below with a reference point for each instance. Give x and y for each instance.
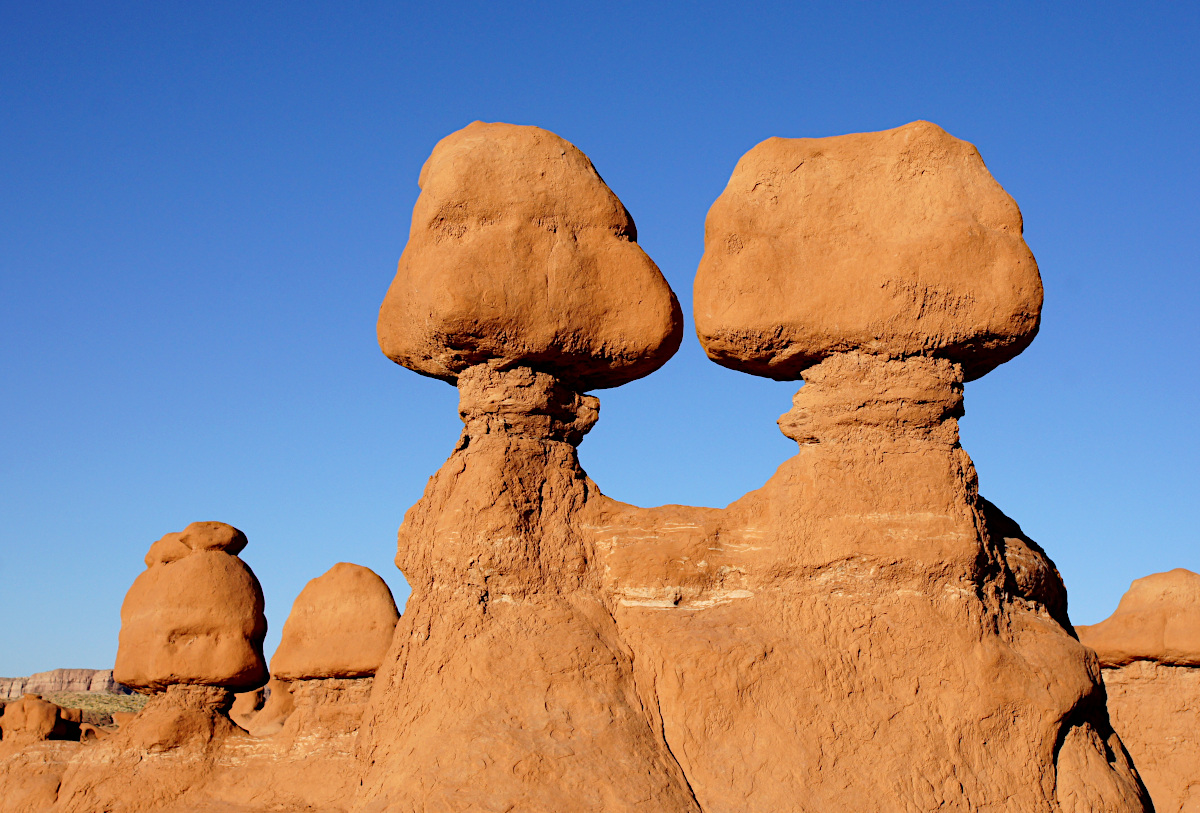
(895, 243)
(1150, 648)
(196, 618)
(1157, 620)
(32, 719)
(196, 537)
(340, 626)
(520, 254)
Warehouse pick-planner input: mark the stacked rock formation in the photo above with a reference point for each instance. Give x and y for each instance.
(192, 629)
(1150, 651)
(339, 630)
(863, 632)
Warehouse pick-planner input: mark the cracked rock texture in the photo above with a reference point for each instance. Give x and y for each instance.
(1150, 651)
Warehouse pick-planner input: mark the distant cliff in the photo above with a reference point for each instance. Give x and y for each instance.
(61, 680)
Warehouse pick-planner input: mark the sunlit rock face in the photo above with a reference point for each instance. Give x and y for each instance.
(863, 632)
(1150, 651)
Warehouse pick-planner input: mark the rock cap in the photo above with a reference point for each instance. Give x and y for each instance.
(896, 243)
(1158, 619)
(519, 253)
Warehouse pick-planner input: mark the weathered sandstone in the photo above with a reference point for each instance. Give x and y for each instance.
(864, 632)
(520, 254)
(1157, 620)
(1150, 649)
(32, 719)
(194, 618)
(896, 243)
(340, 626)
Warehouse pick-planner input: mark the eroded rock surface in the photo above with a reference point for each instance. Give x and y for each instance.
(340, 626)
(864, 608)
(864, 632)
(1150, 649)
(520, 254)
(896, 243)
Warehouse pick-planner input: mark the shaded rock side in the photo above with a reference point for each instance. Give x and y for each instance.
(340, 626)
(895, 243)
(520, 254)
(1156, 710)
(32, 719)
(1150, 649)
(864, 608)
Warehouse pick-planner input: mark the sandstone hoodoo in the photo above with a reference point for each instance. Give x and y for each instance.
(1157, 620)
(1150, 650)
(192, 629)
(896, 243)
(520, 255)
(507, 685)
(863, 632)
(194, 616)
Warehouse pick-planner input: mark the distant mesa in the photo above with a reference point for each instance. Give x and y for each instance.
(62, 680)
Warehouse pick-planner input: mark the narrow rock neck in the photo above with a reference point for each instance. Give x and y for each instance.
(858, 397)
(522, 403)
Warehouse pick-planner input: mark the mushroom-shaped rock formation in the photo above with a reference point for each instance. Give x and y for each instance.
(1150, 651)
(896, 243)
(522, 282)
(192, 629)
(341, 626)
(520, 255)
(194, 617)
(865, 606)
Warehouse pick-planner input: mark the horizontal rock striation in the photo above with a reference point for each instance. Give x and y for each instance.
(62, 680)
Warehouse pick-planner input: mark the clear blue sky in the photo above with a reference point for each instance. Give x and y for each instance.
(201, 206)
